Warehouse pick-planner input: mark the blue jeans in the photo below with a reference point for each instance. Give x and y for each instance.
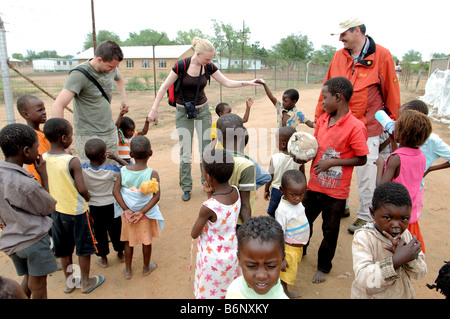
(275, 197)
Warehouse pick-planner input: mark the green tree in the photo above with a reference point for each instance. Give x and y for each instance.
(17, 56)
(294, 48)
(31, 54)
(412, 56)
(146, 37)
(324, 55)
(229, 40)
(439, 55)
(185, 37)
(412, 60)
(102, 35)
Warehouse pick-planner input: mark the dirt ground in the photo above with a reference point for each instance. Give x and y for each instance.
(173, 278)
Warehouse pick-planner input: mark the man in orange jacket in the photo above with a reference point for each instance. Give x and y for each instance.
(371, 69)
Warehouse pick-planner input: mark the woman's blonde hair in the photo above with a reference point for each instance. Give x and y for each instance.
(202, 45)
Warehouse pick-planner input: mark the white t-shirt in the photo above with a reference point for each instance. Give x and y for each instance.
(280, 163)
(100, 182)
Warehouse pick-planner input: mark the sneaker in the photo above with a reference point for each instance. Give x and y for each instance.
(186, 196)
(357, 224)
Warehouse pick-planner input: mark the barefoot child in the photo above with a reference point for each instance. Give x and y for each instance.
(279, 163)
(433, 149)
(290, 214)
(406, 165)
(225, 108)
(25, 209)
(287, 113)
(100, 179)
(342, 145)
(385, 254)
(71, 220)
(32, 109)
(127, 130)
(261, 257)
(141, 217)
(215, 228)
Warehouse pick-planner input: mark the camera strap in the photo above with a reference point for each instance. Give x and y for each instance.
(198, 87)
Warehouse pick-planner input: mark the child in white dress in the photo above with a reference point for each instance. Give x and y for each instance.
(215, 228)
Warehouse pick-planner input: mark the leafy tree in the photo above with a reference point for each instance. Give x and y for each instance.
(229, 40)
(412, 56)
(102, 35)
(257, 50)
(185, 37)
(412, 60)
(324, 55)
(439, 55)
(294, 48)
(146, 37)
(31, 55)
(17, 56)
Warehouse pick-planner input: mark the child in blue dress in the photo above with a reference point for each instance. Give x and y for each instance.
(141, 217)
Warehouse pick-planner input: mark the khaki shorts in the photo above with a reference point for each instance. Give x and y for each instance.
(293, 258)
(111, 140)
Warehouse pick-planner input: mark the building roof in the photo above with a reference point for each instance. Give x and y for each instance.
(144, 52)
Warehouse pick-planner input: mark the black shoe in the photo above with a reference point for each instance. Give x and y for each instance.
(186, 196)
(346, 213)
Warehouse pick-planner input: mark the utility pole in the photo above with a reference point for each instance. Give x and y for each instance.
(94, 37)
(243, 44)
(154, 64)
(7, 88)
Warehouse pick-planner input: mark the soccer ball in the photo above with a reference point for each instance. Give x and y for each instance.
(302, 146)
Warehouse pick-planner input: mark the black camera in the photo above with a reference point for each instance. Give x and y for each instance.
(190, 110)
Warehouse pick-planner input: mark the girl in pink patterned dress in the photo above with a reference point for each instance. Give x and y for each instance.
(215, 228)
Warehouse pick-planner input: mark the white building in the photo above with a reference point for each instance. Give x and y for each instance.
(54, 64)
(249, 64)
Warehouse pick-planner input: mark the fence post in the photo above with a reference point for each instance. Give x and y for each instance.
(7, 89)
(307, 71)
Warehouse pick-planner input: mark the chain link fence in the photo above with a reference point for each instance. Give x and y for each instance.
(278, 74)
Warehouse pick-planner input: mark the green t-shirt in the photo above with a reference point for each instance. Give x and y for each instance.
(91, 111)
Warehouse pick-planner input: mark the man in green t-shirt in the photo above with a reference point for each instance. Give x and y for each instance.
(92, 115)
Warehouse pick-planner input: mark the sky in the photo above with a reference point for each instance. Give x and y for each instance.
(62, 25)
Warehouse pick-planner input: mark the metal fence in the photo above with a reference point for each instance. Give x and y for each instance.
(278, 74)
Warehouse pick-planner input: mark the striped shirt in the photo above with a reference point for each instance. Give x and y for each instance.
(292, 219)
(124, 145)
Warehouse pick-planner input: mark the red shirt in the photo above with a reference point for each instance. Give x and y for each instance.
(345, 139)
(375, 85)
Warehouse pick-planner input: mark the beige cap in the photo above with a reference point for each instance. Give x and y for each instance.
(347, 24)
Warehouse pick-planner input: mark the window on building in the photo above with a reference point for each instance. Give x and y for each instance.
(130, 64)
(146, 64)
(162, 64)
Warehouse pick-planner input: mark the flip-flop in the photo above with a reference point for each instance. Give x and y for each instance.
(68, 290)
(100, 279)
(76, 284)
